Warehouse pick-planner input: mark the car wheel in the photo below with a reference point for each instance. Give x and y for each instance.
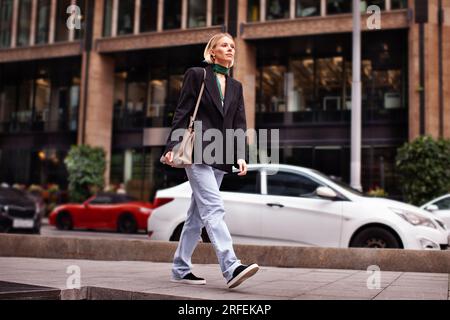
(375, 237)
(205, 237)
(177, 234)
(127, 224)
(64, 221)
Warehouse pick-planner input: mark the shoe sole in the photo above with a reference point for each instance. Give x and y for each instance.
(185, 281)
(244, 275)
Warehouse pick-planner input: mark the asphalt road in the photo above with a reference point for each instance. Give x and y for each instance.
(47, 230)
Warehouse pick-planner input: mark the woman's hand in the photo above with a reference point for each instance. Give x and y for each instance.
(169, 158)
(242, 167)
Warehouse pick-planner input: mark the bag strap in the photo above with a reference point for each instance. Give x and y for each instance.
(198, 100)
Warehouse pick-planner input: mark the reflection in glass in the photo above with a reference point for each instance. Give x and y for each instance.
(277, 9)
(273, 90)
(126, 17)
(306, 8)
(253, 10)
(6, 7)
(43, 16)
(339, 6)
(107, 20)
(23, 28)
(42, 103)
(196, 13)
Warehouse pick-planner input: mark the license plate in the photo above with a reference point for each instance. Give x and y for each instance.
(23, 223)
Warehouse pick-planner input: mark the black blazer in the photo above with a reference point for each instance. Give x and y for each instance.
(210, 111)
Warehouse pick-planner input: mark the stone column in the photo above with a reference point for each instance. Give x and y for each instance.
(15, 19)
(431, 73)
(244, 69)
(33, 27)
(96, 95)
(446, 66)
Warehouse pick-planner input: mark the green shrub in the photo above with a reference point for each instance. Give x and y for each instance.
(424, 169)
(86, 167)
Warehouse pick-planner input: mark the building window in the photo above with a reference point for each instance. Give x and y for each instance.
(253, 8)
(126, 17)
(218, 12)
(313, 82)
(23, 26)
(277, 9)
(149, 15)
(156, 100)
(365, 4)
(339, 6)
(6, 7)
(107, 21)
(307, 8)
(80, 32)
(172, 14)
(62, 32)
(399, 4)
(196, 13)
(43, 20)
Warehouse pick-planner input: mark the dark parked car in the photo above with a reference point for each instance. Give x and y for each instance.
(18, 212)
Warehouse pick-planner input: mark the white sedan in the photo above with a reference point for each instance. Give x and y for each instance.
(284, 204)
(440, 208)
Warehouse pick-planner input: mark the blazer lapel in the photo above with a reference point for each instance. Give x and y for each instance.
(229, 91)
(211, 86)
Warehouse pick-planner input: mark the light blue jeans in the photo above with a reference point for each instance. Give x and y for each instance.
(207, 210)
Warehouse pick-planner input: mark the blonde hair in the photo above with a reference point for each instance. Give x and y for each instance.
(212, 44)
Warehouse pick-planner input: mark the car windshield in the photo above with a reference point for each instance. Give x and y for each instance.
(341, 184)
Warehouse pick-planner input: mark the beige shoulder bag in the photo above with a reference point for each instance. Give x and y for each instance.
(182, 152)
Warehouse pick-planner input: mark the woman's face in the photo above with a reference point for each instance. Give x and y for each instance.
(224, 51)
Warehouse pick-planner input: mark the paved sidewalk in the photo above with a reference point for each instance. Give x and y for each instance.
(148, 280)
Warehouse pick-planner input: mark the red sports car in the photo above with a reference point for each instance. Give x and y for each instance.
(104, 211)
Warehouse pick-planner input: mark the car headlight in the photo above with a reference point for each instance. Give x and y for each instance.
(145, 210)
(414, 219)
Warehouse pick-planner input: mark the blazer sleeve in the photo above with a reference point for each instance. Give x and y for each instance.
(185, 106)
(240, 122)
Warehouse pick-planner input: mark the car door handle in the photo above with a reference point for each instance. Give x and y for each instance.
(275, 205)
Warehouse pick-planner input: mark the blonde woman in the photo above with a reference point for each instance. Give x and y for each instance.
(221, 107)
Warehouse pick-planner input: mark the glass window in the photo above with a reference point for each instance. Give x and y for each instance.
(443, 204)
(329, 81)
(107, 21)
(157, 96)
(339, 6)
(62, 32)
(7, 106)
(306, 8)
(399, 4)
(23, 28)
(218, 12)
(250, 183)
(101, 199)
(367, 3)
(149, 15)
(301, 89)
(196, 13)
(277, 9)
(79, 33)
(126, 17)
(42, 103)
(273, 97)
(253, 10)
(43, 20)
(291, 185)
(172, 14)
(6, 7)
(24, 108)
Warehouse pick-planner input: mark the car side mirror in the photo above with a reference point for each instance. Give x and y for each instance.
(326, 192)
(432, 207)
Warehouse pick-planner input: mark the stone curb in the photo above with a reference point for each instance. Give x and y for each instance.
(32, 246)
